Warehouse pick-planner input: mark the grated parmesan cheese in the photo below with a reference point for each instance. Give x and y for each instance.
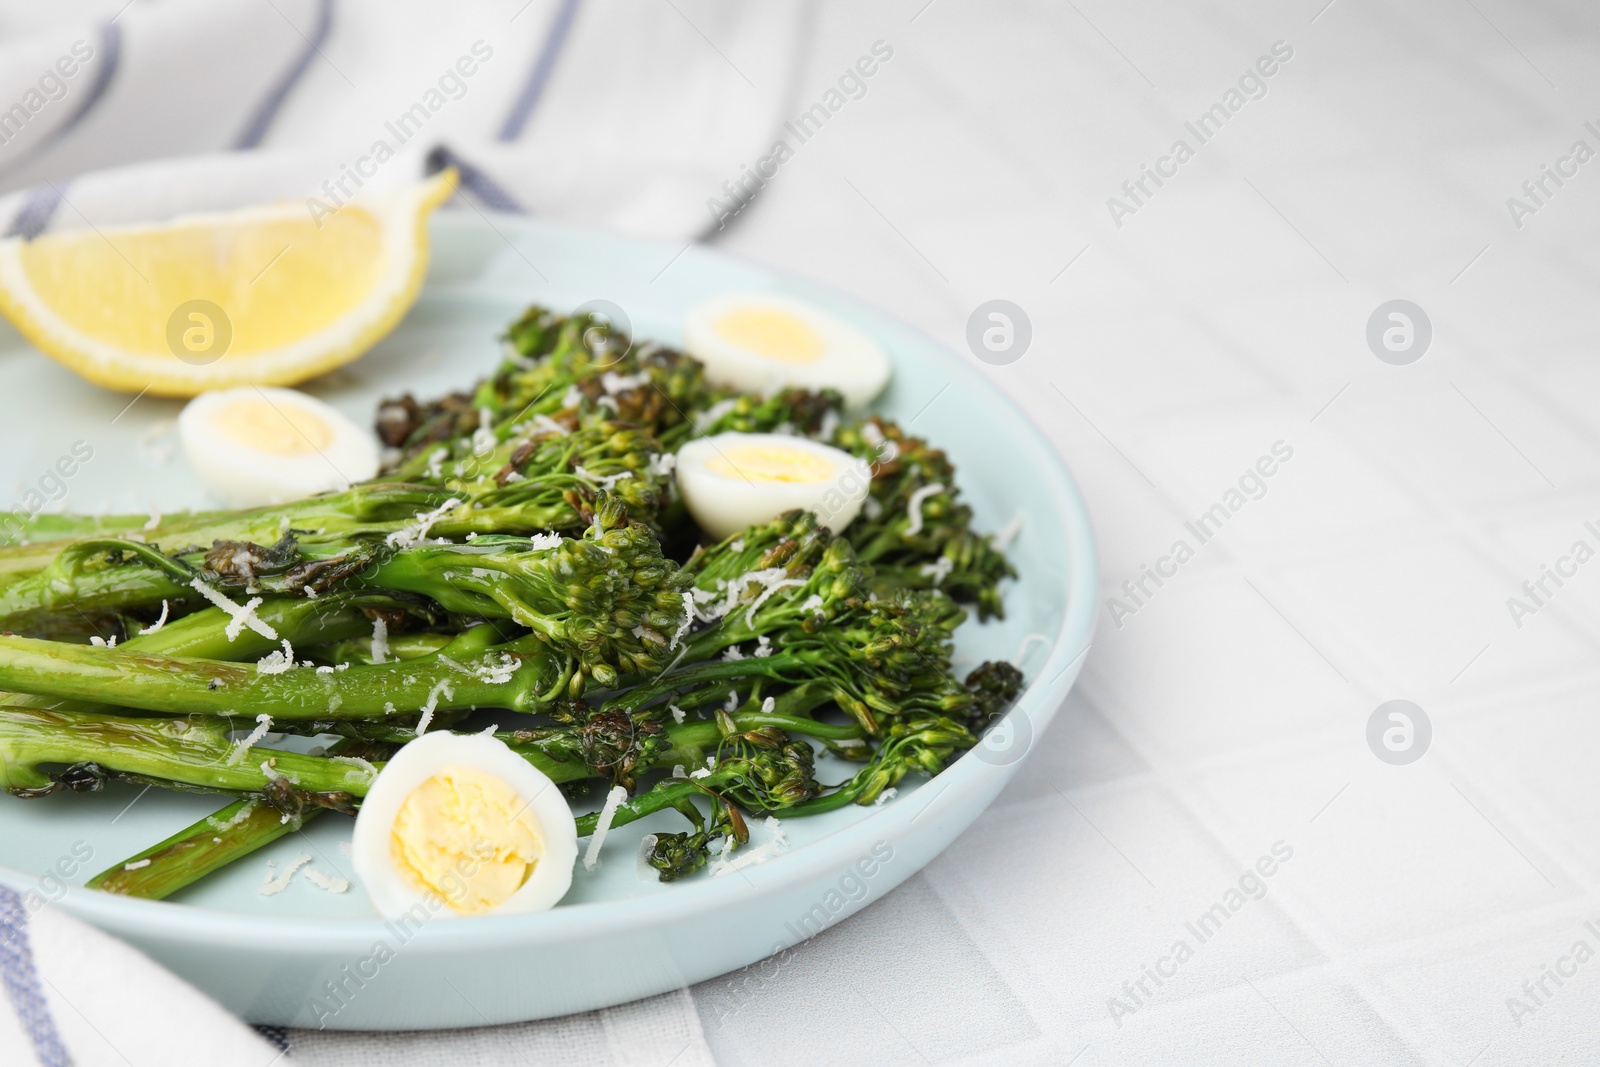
(541, 541)
(407, 536)
(239, 616)
(1001, 539)
(272, 884)
(358, 763)
(612, 382)
(433, 702)
(136, 865)
(380, 640)
(276, 662)
(750, 615)
(710, 415)
(498, 673)
(331, 883)
(156, 626)
(604, 481)
(938, 570)
(483, 438)
(591, 856)
(689, 613)
(914, 507)
(760, 854)
(238, 817)
(677, 713)
(245, 744)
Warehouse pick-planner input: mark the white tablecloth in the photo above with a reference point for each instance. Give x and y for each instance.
(1426, 913)
(1229, 712)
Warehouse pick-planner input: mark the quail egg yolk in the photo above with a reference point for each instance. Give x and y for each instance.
(281, 430)
(466, 835)
(771, 463)
(771, 333)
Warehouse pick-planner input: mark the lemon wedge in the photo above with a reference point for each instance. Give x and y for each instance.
(267, 295)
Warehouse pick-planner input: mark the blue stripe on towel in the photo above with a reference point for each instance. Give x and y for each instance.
(528, 99)
(36, 211)
(21, 981)
(40, 206)
(475, 181)
(109, 59)
(268, 109)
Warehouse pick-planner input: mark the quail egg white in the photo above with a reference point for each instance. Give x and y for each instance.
(260, 445)
(760, 342)
(733, 480)
(462, 825)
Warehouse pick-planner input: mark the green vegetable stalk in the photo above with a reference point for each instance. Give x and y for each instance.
(195, 851)
(193, 754)
(523, 675)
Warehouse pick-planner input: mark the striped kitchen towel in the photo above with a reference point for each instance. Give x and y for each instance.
(628, 117)
(77, 996)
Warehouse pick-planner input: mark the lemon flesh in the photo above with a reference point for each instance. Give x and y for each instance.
(266, 295)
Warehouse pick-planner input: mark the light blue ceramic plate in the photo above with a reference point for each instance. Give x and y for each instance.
(618, 935)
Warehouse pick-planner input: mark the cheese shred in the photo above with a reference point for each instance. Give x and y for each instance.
(240, 616)
(614, 799)
(244, 745)
(914, 507)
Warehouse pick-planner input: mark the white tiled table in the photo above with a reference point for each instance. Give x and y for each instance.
(1230, 712)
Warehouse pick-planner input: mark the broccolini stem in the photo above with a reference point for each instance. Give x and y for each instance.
(401, 646)
(195, 851)
(523, 675)
(672, 793)
(203, 634)
(187, 753)
(45, 527)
